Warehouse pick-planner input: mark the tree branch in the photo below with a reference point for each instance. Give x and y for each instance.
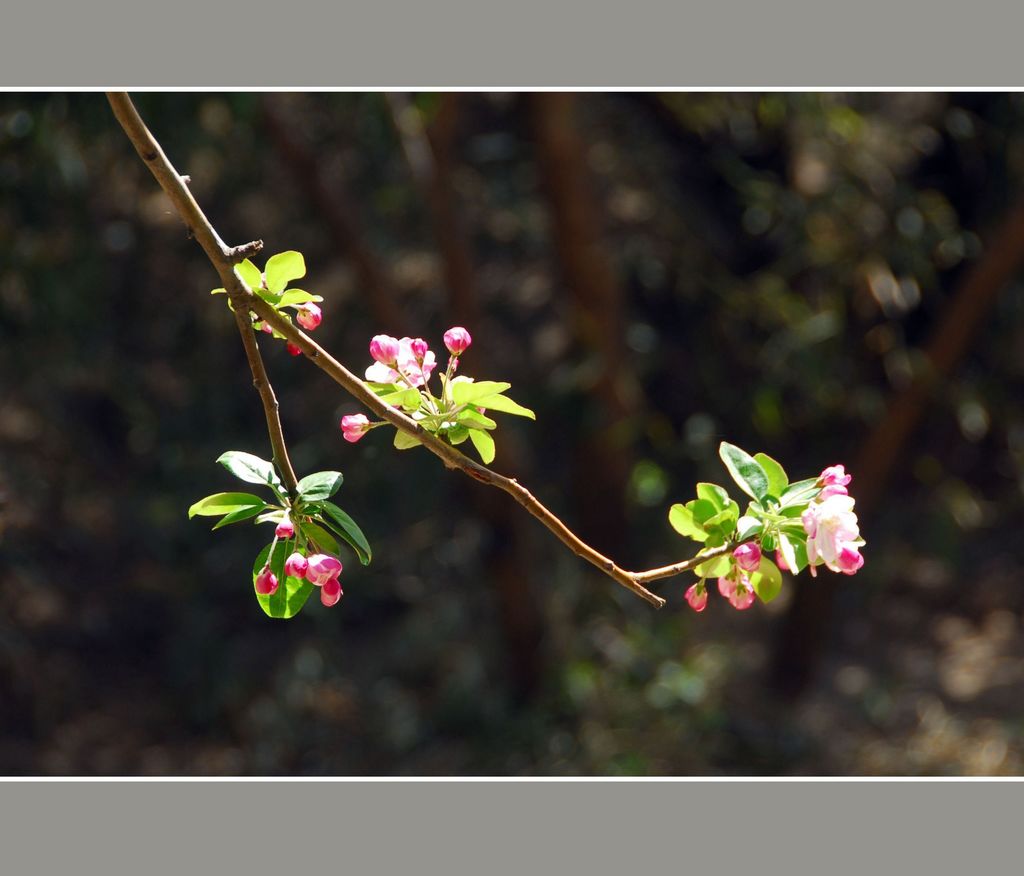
(224, 258)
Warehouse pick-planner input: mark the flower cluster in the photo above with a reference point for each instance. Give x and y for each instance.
(400, 375)
(271, 284)
(308, 532)
(806, 524)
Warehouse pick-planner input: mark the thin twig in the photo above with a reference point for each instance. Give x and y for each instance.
(224, 258)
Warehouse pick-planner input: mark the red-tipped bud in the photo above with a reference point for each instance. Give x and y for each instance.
(384, 349)
(285, 529)
(292, 349)
(295, 566)
(457, 340)
(308, 316)
(330, 593)
(321, 568)
(354, 427)
(747, 556)
(266, 582)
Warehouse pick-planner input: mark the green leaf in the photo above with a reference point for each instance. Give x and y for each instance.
(249, 468)
(794, 552)
(714, 494)
(347, 528)
(297, 296)
(504, 404)
(475, 420)
(714, 568)
(702, 510)
(767, 580)
(800, 492)
(249, 274)
(745, 470)
(239, 515)
(681, 519)
(324, 540)
(457, 434)
(777, 479)
(225, 503)
(221, 291)
(464, 393)
(283, 268)
(484, 445)
(320, 485)
(291, 593)
(403, 441)
(747, 528)
(725, 520)
(410, 399)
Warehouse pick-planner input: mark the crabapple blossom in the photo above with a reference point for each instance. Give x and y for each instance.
(833, 534)
(835, 475)
(457, 340)
(354, 427)
(321, 568)
(415, 366)
(737, 589)
(266, 582)
(697, 596)
(308, 315)
(285, 529)
(295, 566)
(747, 556)
(330, 592)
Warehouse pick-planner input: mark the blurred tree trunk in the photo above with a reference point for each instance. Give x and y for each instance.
(429, 151)
(333, 204)
(602, 460)
(798, 651)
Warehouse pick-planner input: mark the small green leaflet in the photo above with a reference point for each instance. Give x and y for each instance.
(767, 580)
(249, 274)
(777, 479)
(320, 485)
(226, 503)
(745, 470)
(283, 268)
(505, 405)
(346, 527)
(466, 392)
(249, 468)
(484, 445)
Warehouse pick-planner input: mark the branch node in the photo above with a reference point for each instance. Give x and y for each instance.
(237, 254)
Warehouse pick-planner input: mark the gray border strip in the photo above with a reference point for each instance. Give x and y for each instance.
(530, 43)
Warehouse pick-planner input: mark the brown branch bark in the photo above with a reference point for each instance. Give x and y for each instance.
(221, 256)
(224, 258)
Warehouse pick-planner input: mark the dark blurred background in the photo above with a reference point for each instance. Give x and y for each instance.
(824, 277)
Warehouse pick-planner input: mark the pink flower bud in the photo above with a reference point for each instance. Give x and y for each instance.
(832, 490)
(354, 427)
(835, 475)
(419, 348)
(780, 561)
(295, 566)
(739, 592)
(457, 340)
(308, 316)
(384, 349)
(292, 349)
(849, 560)
(330, 593)
(697, 596)
(266, 329)
(747, 556)
(285, 529)
(321, 568)
(266, 582)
